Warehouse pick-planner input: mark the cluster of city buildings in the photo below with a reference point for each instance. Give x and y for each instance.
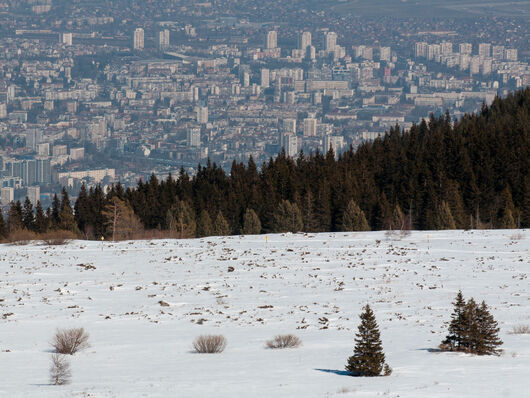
(79, 107)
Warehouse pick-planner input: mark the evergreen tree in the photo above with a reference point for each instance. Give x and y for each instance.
(287, 217)
(121, 221)
(28, 218)
(368, 358)
(457, 326)
(488, 340)
(41, 222)
(445, 219)
(56, 211)
(353, 218)
(220, 226)
(181, 219)
(251, 223)
(204, 224)
(15, 217)
(397, 218)
(3, 227)
(472, 329)
(66, 215)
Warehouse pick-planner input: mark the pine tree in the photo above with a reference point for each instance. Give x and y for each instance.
(204, 224)
(445, 218)
(458, 324)
(472, 329)
(121, 221)
(41, 222)
(56, 210)
(220, 226)
(368, 358)
(14, 217)
(353, 218)
(181, 219)
(66, 215)
(28, 218)
(3, 227)
(251, 223)
(287, 217)
(397, 218)
(488, 329)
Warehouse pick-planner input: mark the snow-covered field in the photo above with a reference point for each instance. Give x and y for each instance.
(310, 285)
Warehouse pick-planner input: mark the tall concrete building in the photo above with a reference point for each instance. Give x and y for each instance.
(33, 194)
(265, 78)
(7, 195)
(289, 125)
(163, 39)
(33, 138)
(202, 114)
(310, 127)
(304, 41)
(194, 138)
(465, 48)
(497, 52)
(484, 50)
(384, 54)
(67, 39)
(420, 49)
(291, 145)
(138, 40)
(330, 41)
(272, 40)
(446, 48)
(3, 110)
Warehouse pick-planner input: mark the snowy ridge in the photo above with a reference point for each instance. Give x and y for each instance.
(249, 289)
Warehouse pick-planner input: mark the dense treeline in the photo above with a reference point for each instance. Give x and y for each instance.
(470, 173)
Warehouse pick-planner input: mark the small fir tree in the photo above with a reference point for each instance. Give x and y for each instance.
(472, 329)
(488, 339)
(457, 326)
(368, 358)
(41, 222)
(3, 227)
(353, 218)
(287, 217)
(220, 226)
(204, 224)
(28, 218)
(251, 223)
(15, 217)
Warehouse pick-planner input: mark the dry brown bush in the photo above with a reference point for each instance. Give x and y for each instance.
(60, 370)
(59, 237)
(69, 341)
(210, 344)
(284, 341)
(21, 237)
(520, 329)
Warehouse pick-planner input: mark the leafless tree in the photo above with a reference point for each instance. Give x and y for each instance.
(60, 370)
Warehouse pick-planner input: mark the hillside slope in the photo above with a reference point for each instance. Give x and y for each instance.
(309, 285)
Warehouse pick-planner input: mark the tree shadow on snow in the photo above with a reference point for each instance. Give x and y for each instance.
(335, 371)
(430, 349)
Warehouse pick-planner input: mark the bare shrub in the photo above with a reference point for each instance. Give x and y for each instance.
(55, 238)
(69, 341)
(60, 370)
(284, 341)
(21, 237)
(516, 236)
(210, 344)
(520, 329)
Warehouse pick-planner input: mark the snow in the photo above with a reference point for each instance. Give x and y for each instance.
(311, 285)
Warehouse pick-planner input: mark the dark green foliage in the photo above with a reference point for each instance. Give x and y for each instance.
(28, 218)
(472, 329)
(204, 224)
(287, 217)
(41, 222)
(15, 217)
(66, 215)
(251, 223)
(181, 219)
(353, 218)
(220, 226)
(3, 227)
(439, 175)
(368, 358)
